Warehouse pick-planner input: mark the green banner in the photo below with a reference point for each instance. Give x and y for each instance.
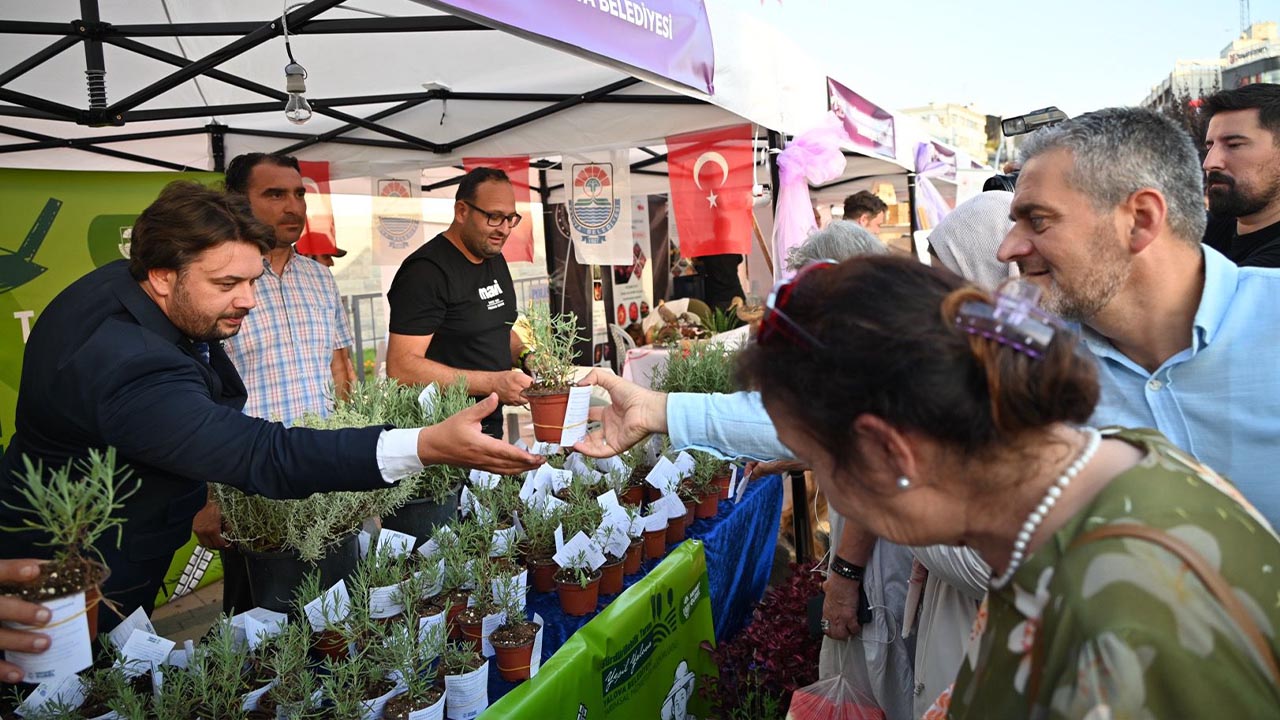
(56, 226)
(641, 657)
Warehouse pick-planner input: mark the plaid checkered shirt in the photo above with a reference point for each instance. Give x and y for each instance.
(286, 343)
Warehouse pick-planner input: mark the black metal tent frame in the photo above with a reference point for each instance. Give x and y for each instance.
(90, 31)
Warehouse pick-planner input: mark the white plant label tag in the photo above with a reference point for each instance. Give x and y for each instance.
(141, 650)
(664, 475)
(399, 544)
(427, 398)
(684, 464)
(330, 608)
(575, 415)
(484, 480)
(740, 486)
(70, 692)
(535, 660)
(671, 504)
(579, 544)
(384, 602)
(137, 620)
(487, 626)
(70, 650)
(250, 702)
(467, 694)
(435, 712)
(657, 520)
(612, 465)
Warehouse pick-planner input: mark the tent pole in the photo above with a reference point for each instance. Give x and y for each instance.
(776, 144)
(95, 68)
(218, 146)
(37, 59)
(911, 205)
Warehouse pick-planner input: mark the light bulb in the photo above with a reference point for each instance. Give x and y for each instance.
(298, 110)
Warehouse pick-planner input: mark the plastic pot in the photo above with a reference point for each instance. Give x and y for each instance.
(675, 531)
(689, 508)
(634, 496)
(708, 506)
(450, 621)
(273, 576)
(420, 517)
(548, 415)
(651, 493)
(472, 633)
(724, 482)
(514, 662)
(577, 600)
(542, 574)
(329, 643)
(611, 577)
(655, 542)
(635, 555)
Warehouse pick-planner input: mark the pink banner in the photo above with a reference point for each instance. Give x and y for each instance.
(868, 126)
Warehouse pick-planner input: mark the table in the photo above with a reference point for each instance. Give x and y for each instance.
(739, 545)
(639, 364)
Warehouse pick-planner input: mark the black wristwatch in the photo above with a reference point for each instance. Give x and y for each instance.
(846, 569)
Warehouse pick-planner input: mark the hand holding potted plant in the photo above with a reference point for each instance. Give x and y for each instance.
(72, 515)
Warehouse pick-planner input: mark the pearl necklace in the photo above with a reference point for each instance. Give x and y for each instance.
(1037, 515)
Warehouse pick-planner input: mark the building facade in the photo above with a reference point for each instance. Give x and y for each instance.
(960, 126)
(1254, 57)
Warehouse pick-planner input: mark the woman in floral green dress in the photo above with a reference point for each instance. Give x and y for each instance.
(942, 415)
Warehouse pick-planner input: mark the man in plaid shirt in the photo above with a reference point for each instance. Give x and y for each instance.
(293, 351)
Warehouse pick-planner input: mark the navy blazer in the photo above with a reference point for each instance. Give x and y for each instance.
(103, 366)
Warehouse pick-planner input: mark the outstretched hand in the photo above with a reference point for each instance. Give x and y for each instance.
(460, 441)
(633, 414)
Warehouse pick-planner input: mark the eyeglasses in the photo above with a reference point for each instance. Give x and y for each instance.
(496, 219)
(776, 323)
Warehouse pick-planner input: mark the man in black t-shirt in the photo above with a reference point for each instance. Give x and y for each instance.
(1242, 174)
(453, 303)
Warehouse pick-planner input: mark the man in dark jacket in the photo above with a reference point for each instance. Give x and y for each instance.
(128, 356)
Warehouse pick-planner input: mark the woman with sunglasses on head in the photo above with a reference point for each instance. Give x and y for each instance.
(1127, 579)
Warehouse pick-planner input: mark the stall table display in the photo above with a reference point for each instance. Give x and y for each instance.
(738, 545)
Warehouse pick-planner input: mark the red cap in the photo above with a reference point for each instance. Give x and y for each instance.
(314, 243)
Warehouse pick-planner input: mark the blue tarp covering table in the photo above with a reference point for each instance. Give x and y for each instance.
(739, 543)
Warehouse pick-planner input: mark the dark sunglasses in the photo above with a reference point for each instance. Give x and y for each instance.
(495, 219)
(776, 323)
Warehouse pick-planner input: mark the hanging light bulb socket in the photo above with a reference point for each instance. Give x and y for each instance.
(297, 109)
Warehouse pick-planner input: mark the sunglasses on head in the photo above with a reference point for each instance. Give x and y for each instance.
(776, 324)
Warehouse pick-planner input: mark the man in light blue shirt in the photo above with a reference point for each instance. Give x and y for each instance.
(1108, 215)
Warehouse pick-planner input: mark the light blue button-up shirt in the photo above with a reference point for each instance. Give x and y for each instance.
(1218, 399)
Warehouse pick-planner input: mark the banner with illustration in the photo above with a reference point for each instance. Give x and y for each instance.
(56, 226)
(397, 220)
(641, 657)
(598, 188)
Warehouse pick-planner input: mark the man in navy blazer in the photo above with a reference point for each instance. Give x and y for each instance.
(128, 356)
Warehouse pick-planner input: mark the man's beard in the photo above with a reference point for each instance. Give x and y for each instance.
(1236, 201)
(479, 246)
(1101, 279)
(198, 326)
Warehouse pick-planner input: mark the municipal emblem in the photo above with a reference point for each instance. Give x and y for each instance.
(593, 209)
(398, 230)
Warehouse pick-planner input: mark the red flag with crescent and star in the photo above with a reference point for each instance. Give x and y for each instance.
(519, 247)
(711, 178)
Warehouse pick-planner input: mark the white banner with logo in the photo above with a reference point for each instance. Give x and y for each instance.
(598, 190)
(397, 220)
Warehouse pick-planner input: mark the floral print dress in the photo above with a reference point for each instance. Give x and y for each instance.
(1123, 628)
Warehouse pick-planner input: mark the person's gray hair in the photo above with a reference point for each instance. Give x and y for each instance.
(839, 240)
(1118, 151)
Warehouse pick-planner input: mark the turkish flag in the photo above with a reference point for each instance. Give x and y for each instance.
(519, 247)
(315, 178)
(711, 178)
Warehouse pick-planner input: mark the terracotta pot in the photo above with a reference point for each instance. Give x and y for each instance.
(675, 531)
(655, 543)
(330, 644)
(634, 496)
(635, 555)
(611, 577)
(542, 574)
(577, 600)
(725, 483)
(514, 662)
(92, 599)
(708, 506)
(689, 507)
(548, 415)
(472, 634)
(455, 630)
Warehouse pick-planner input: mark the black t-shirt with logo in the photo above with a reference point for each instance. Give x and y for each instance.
(1260, 248)
(467, 308)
